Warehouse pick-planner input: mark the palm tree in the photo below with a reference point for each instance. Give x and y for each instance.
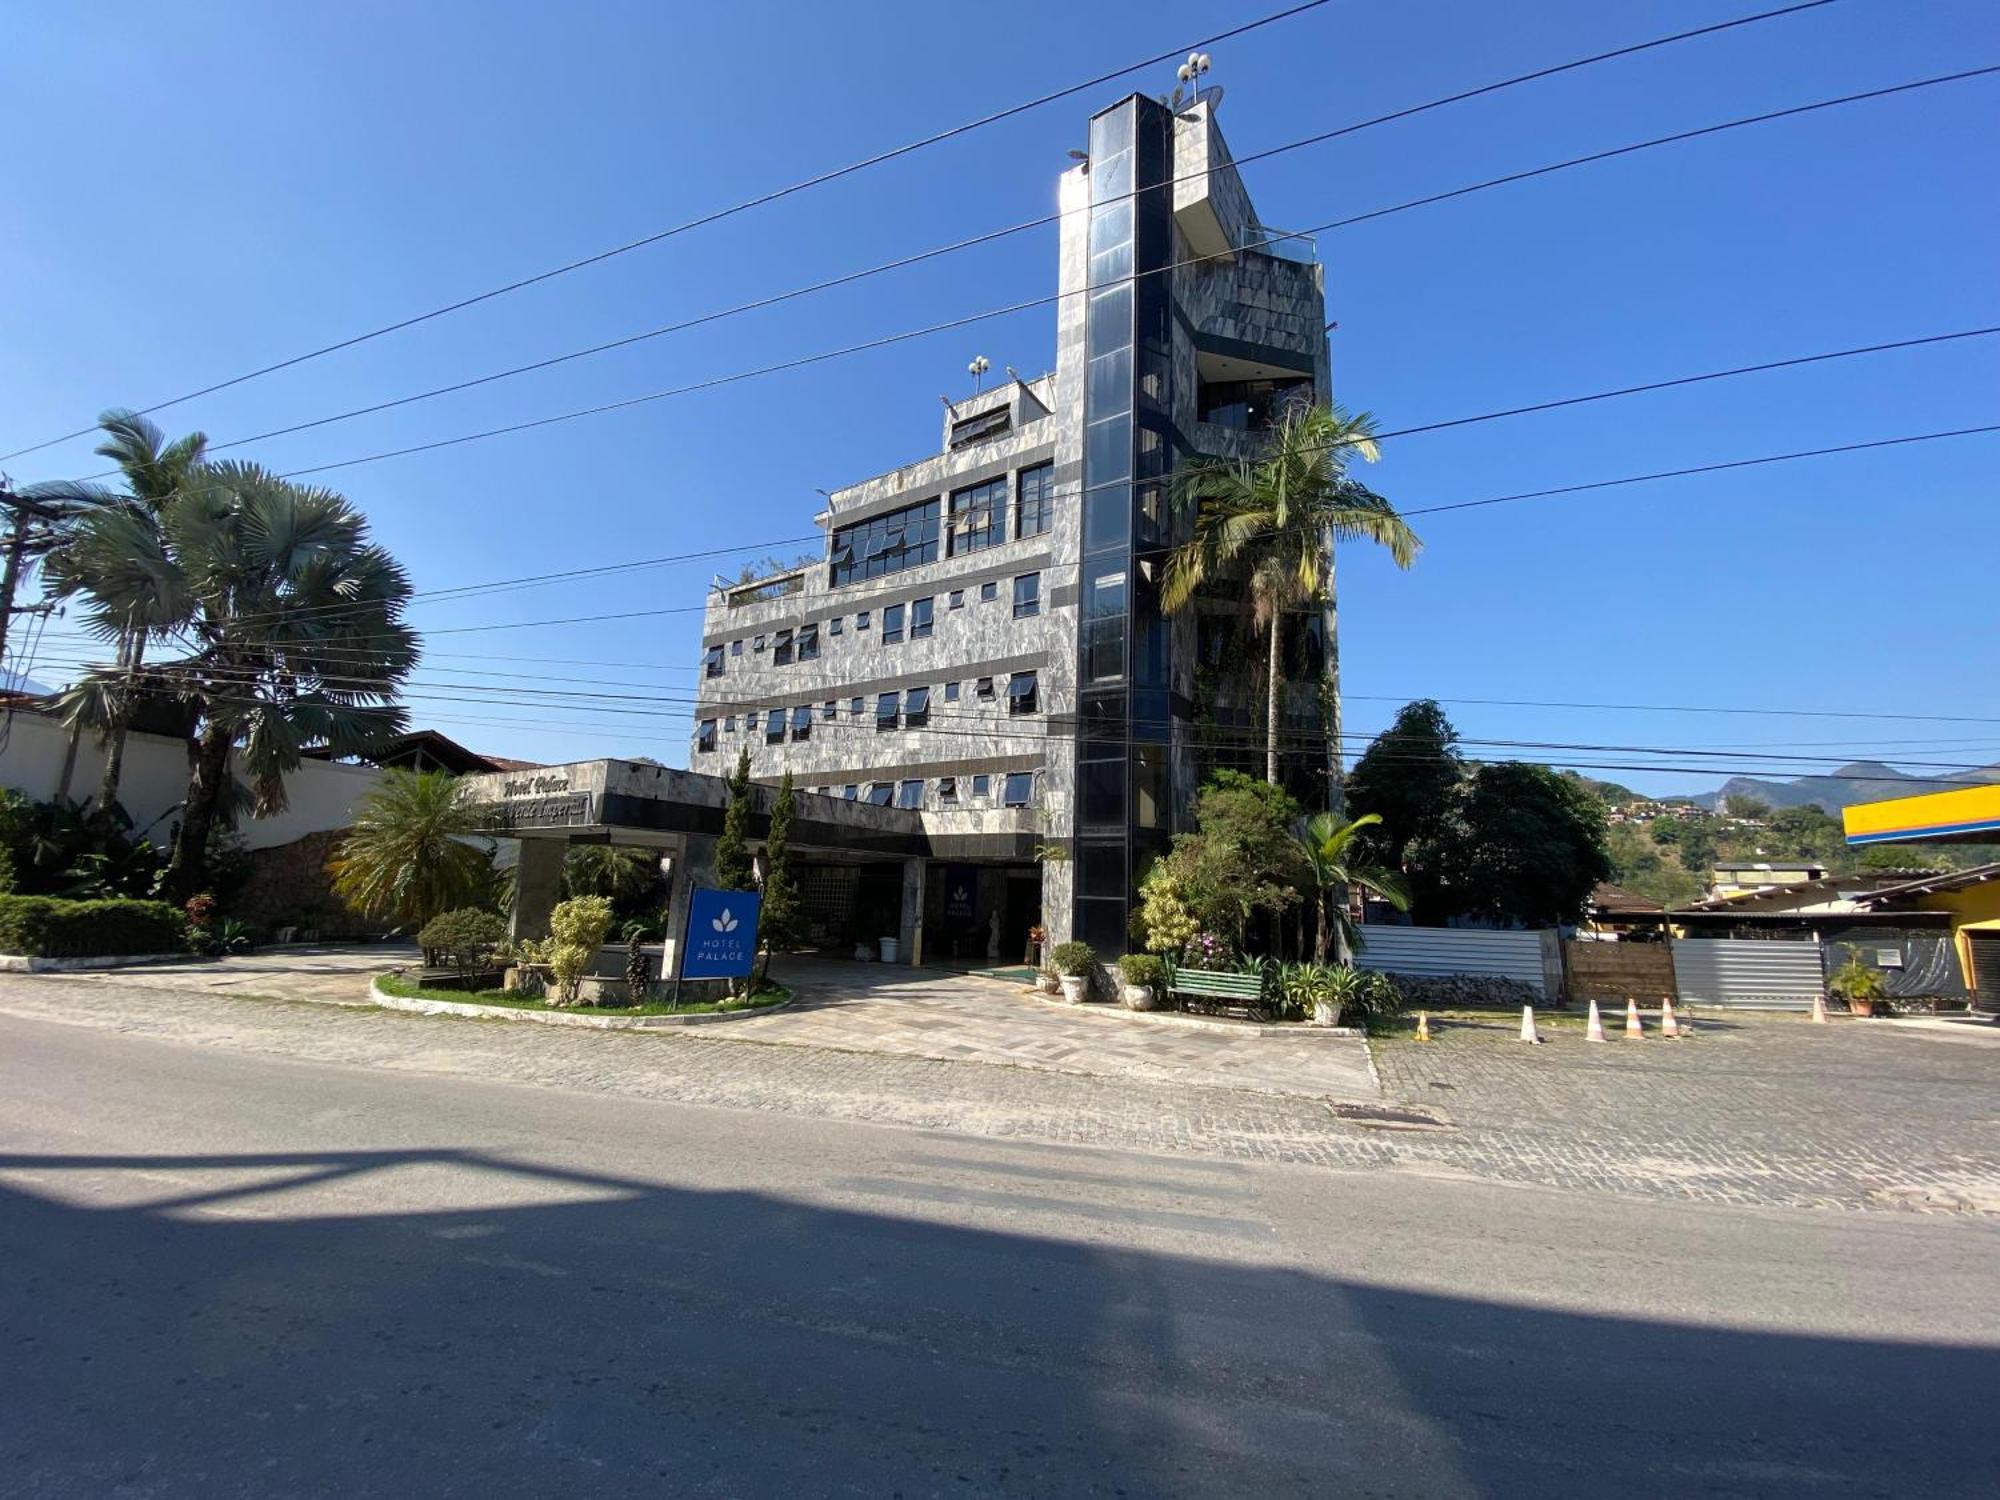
(406, 856)
(126, 553)
(292, 623)
(1273, 518)
(1326, 844)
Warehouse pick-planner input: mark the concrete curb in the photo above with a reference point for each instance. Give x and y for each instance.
(558, 1017)
(14, 963)
(1108, 1010)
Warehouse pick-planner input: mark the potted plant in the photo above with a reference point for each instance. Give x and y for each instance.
(1037, 935)
(1048, 982)
(1075, 961)
(1142, 973)
(1341, 988)
(1862, 987)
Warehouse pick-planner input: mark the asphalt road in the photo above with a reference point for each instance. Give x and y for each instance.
(224, 1274)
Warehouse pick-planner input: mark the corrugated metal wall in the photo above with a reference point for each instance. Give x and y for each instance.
(1525, 956)
(1770, 975)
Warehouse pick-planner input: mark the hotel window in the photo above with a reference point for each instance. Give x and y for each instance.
(705, 738)
(861, 620)
(984, 690)
(729, 725)
(947, 788)
(735, 648)
(809, 643)
(802, 722)
(854, 708)
(881, 793)
(750, 722)
(1027, 596)
(978, 517)
(989, 590)
(951, 692)
(774, 727)
(917, 708)
(982, 786)
(837, 624)
(758, 644)
(1035, 511)
(850, 792)
(910, 794)
(1020, 790)
(892, 624)
(977, 429)
(1021, 693)
(781, 643)
(888, 709)
(922, 612)
(829, 710)
(957, 599)
(886, 543)
(712, 661)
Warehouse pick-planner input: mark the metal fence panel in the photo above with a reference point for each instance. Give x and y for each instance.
(1769, 975)
(1458, 950)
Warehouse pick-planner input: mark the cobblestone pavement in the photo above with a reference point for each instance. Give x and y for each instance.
(967, 1018)
(334, 972)
(1755, 1111)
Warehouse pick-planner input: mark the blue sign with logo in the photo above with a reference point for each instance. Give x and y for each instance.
(721, 934)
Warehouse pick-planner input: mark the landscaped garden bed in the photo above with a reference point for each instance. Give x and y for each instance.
(400, 993)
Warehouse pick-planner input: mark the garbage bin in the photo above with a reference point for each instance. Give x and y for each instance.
(889, 948)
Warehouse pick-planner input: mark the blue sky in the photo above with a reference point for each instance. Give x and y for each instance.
(194, 191)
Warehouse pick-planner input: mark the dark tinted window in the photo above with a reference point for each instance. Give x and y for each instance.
(1035, 512)
(1027, 595)
(910, 794)
(712, 661)
(892, 624)
(978, 517)
(1021, 697)
(916, 707)
(887, 709)
(886, 544)
(1020, 789)
(808, 643)
(922, 612)
(705, 736)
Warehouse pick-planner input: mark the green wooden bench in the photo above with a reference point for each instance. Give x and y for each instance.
(1200, 989)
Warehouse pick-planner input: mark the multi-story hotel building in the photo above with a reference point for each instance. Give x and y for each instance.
(982, 641)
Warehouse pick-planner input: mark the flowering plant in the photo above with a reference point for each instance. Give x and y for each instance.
(1208, 950)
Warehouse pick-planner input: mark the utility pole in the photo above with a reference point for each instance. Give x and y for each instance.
(25, 511)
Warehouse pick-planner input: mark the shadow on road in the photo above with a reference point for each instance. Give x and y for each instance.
(612, 1337)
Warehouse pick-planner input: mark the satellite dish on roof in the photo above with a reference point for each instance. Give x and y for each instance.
(1211, 96)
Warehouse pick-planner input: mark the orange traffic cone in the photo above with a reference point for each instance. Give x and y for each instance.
(1423, 1026)
(1668, 1025)
(1634, 1027)
(1594, 1031)
(1528, 1025)
(1819, 1011)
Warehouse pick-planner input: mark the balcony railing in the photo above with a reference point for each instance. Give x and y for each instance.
(1281, 243)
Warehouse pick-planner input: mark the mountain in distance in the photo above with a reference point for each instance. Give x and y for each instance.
(14, 682)
(1858, 781)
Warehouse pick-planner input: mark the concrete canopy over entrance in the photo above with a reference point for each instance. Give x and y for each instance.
(886, 851)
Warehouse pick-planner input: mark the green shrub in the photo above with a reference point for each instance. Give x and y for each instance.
(463, 940)
(576, 931)
(1142, 969)
(49, 927)
(1073, 958)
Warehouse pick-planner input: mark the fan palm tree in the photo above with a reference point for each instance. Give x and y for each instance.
(407, 856)
(126, 552)
(1326, 845)
(1273, 518)
(292, 620)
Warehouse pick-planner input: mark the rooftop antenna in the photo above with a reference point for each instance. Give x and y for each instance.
(1012, 373)
(977, 370)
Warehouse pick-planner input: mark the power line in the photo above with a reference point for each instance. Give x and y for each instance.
(712, 217)
(994, 235)
(887, 340)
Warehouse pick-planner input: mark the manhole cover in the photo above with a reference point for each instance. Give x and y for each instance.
(1384, 1117)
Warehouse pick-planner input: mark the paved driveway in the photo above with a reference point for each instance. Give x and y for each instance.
(968, 1018)
(306, 973)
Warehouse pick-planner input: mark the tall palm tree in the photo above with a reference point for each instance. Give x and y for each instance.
(1273, 519)
(407, 855)
(1326, 845)
(292, 623)
(156, 472)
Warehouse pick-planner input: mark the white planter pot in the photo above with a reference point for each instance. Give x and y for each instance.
(1047, 984)
(1325, 1013)
(1073, 987)
(1138, 997)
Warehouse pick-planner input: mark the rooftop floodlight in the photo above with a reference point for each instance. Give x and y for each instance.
(977, 370)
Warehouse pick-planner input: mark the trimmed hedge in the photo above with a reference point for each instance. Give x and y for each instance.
(48, 927)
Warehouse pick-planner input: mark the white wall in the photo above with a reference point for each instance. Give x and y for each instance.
(154, 781)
